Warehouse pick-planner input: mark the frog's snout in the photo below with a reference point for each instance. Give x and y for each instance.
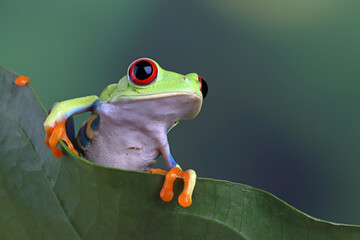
(196, 81)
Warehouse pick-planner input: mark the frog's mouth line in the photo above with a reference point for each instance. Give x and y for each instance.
(157, 95)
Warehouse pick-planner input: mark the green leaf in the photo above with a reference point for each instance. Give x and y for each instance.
(42, 197)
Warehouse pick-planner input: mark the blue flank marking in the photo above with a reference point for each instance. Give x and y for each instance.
(74, 111)
(95, 105)
(95, 124)
(84, 140)
(172, 162)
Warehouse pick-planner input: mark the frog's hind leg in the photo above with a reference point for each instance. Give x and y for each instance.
(86, 132)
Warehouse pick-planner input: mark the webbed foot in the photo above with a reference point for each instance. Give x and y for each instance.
(53, 136)
(167, 193)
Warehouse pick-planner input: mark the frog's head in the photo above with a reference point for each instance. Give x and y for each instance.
(146, 80)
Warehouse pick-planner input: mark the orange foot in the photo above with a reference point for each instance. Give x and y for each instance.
(22, 80)
(167, 193)
(54, 134)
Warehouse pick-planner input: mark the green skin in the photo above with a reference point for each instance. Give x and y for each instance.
(133, 123)
(167, 99)
(126, 90)
(166, 82)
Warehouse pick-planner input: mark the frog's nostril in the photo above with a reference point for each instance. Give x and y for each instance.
(203, 86)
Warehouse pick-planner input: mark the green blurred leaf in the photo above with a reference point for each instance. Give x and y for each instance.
(42, 197)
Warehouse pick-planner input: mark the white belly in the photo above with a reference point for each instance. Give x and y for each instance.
(131, 133)
(121, 147)
(127, 137)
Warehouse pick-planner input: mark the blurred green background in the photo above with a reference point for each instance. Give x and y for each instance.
(282, 113)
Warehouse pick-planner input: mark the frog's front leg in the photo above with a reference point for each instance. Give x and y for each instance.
(55, 123)
(175, 171)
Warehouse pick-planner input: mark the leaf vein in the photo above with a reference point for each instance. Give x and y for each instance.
(42, 170)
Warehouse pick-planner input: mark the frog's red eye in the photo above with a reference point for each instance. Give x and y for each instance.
(203, 87)
(143, 71)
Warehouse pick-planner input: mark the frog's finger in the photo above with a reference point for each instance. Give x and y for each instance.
(189, 177)
(48, 130)
(166, 192)
(55, 136)
(22, 80)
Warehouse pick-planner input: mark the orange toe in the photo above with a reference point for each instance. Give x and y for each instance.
(22, 80)
(189, 177)
(184, 200)
(166, 192)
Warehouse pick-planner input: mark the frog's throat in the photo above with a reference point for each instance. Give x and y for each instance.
(189, 104)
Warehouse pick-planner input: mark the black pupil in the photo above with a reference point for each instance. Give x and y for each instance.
(142, 70)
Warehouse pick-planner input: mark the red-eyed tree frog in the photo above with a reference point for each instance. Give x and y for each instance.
(130, 121)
